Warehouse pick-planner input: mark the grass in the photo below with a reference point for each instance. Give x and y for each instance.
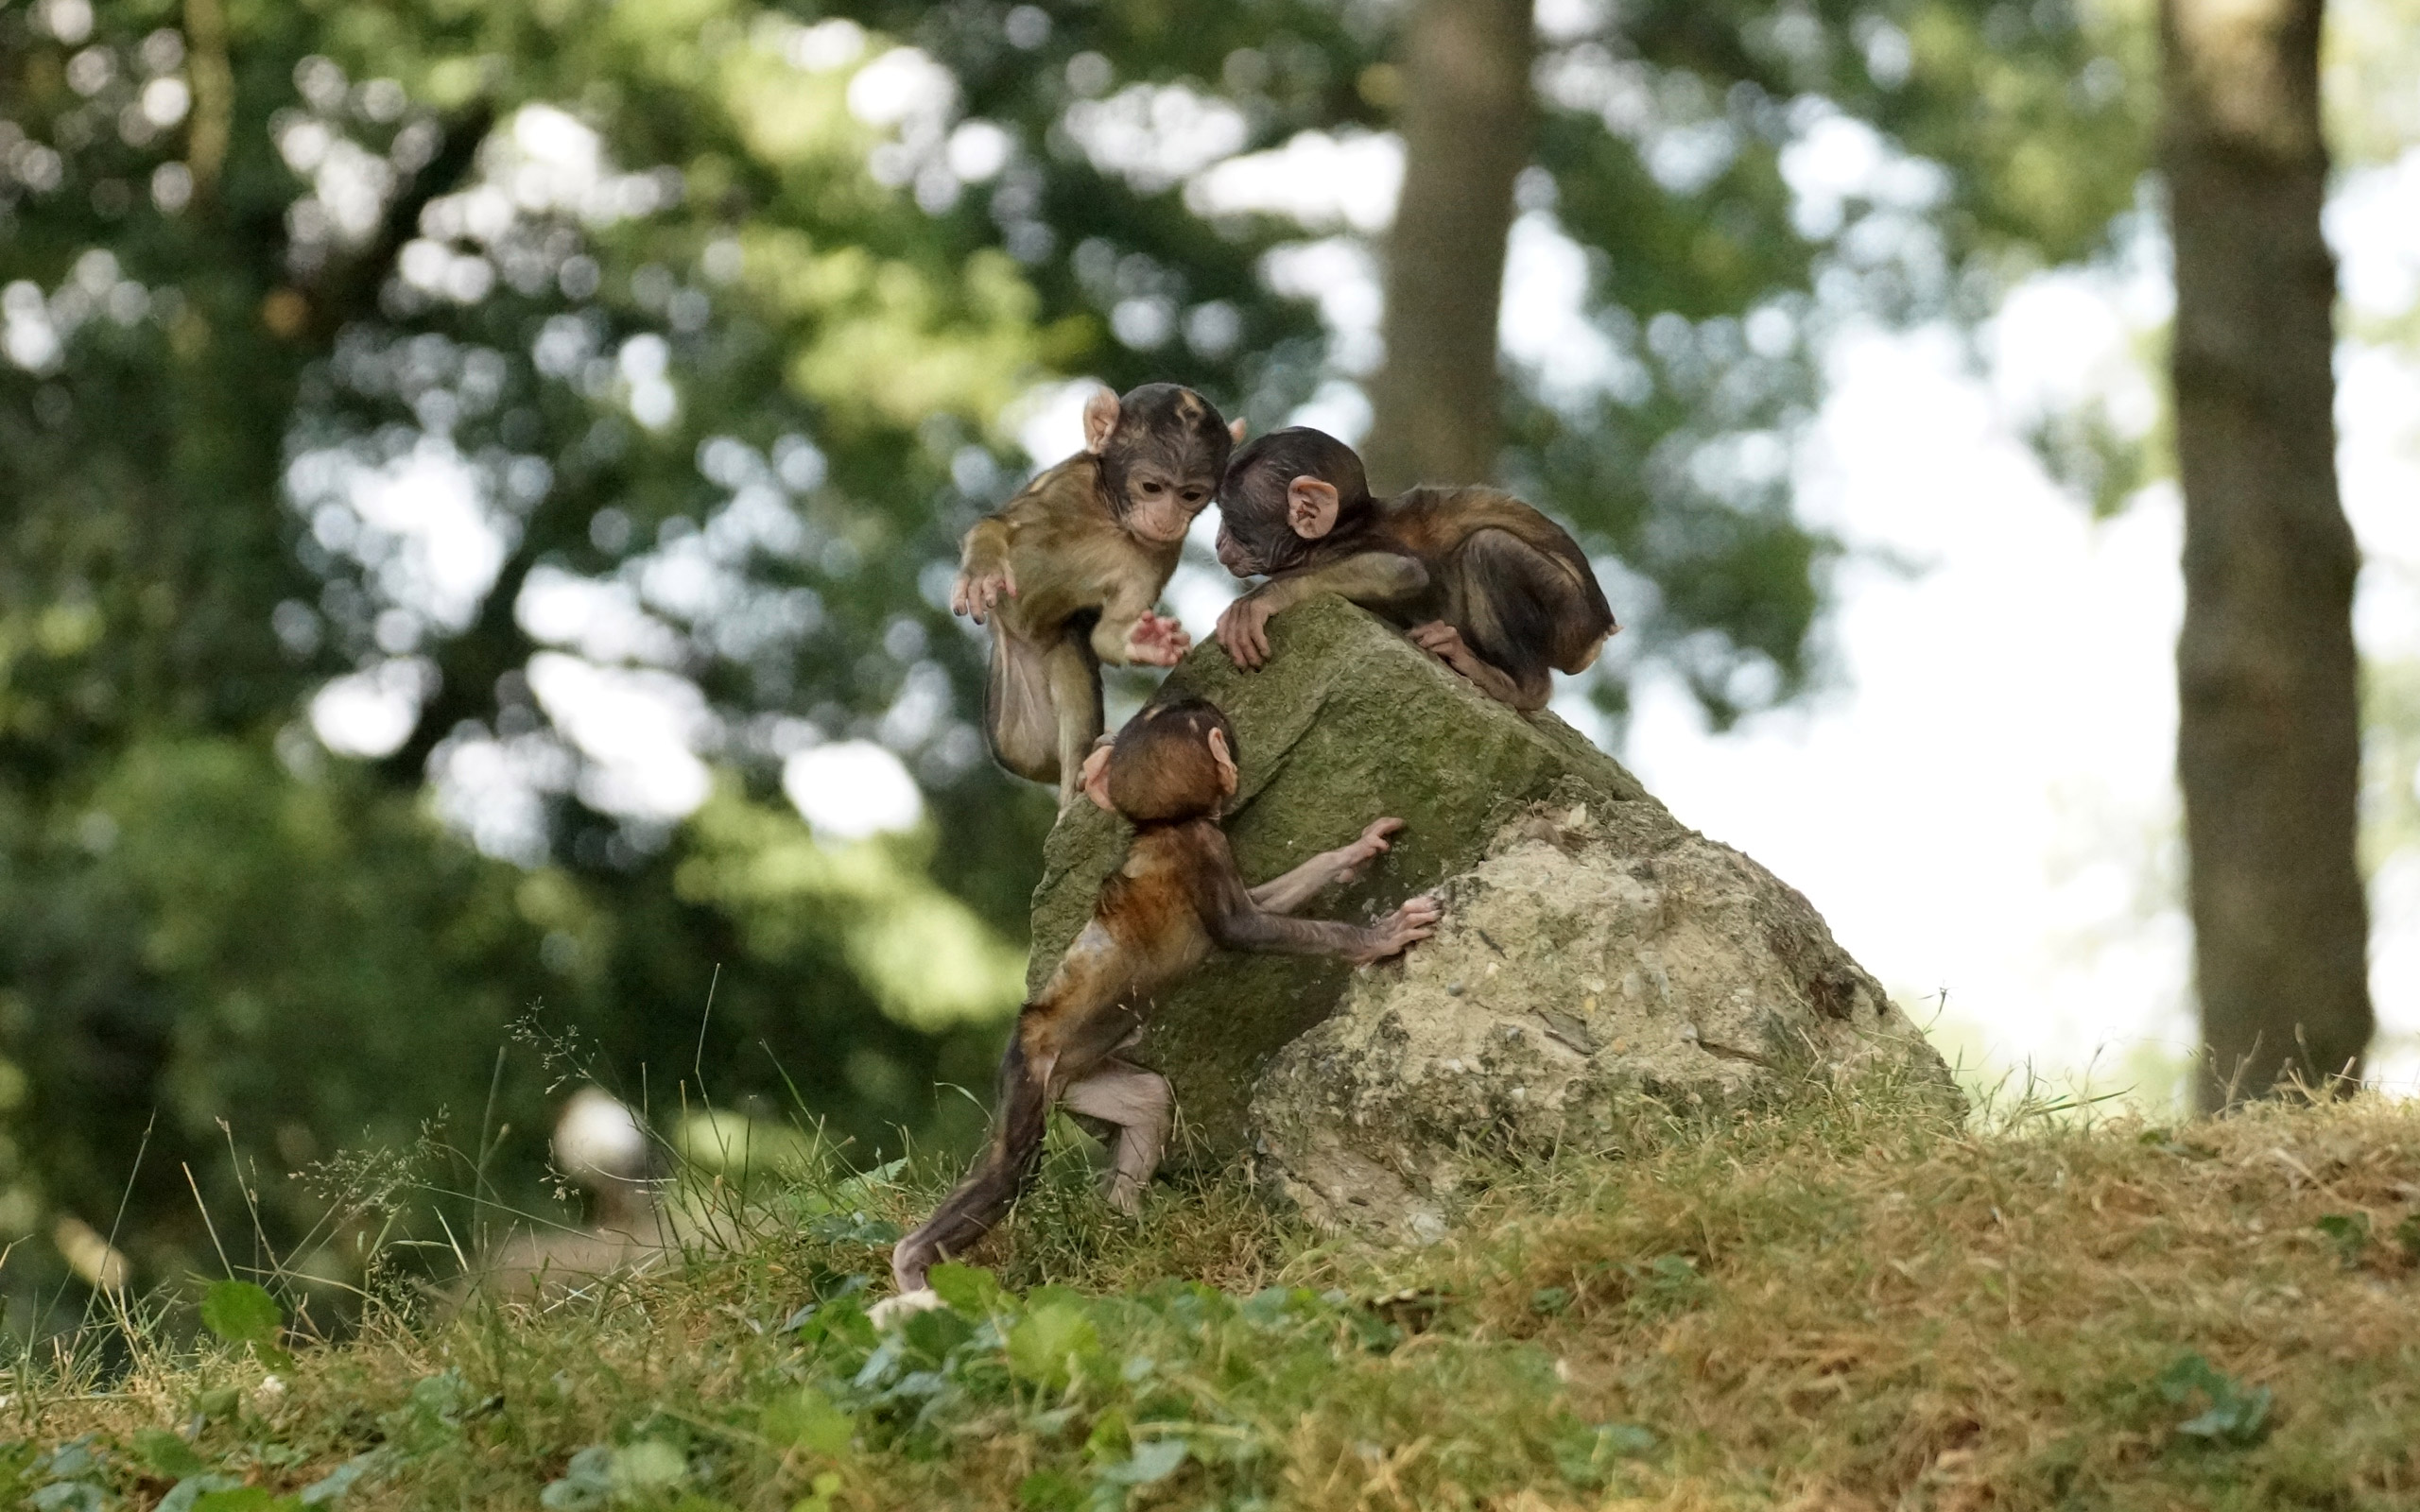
(1847, 1305)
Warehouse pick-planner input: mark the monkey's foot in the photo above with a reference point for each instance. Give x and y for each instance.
(893, 1311)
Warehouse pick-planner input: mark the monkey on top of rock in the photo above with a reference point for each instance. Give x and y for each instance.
(1479, 580)
(1068, 573)
(1177, 897)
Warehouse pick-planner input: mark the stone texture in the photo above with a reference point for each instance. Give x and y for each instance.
(1588, 933)
(1586, 965)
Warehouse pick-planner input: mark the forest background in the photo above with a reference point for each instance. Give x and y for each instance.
(480, 482)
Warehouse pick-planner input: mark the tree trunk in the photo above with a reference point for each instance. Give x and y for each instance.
(2269, 739)
(1467, 118)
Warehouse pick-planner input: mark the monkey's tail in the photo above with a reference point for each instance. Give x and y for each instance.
(1008, 1161)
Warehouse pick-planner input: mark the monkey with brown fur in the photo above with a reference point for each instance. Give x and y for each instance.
(1177, 897)
(1068, 570)
(1476, 579)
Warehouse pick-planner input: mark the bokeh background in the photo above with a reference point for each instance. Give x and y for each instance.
(479, 485)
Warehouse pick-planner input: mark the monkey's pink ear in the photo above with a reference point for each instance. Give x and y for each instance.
(1095, 776)
(1236, 431)
(1225, 763)
(1310, 506)
(1101, 418)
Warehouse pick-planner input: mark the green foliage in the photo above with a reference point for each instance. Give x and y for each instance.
(2234, 1417)
(749, 382)
(1835, 1301)
(242, 1313)
(2349, 1232)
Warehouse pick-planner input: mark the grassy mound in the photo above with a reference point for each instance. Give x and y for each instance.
(1848, 1305)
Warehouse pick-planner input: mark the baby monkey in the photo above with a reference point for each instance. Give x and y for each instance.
(1479, 580)
(1068, 570)
(1177, 897)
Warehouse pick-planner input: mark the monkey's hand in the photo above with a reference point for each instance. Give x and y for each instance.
(1243, 629)
(1414, 921)
(1157, 641)
(975, 594)
(1351, 858)
(1446, 644)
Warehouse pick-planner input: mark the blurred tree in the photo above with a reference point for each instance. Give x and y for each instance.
(546, 425)
(2269, 737)
(1468, 118)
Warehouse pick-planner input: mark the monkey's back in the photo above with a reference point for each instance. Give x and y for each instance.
(1070, 554)
(1149, 926)
(1448, 528)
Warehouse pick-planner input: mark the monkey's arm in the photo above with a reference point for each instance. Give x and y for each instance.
(983, 570)
(1283, 895)
(1248, 928)
(1371, 579)
(1129, 633)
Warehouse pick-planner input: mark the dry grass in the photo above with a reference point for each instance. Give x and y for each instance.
(1849, 1305)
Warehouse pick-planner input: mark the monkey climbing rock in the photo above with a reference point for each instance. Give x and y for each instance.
(1177, 897)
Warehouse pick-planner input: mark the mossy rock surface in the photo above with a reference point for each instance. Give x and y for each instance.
(1348, 722)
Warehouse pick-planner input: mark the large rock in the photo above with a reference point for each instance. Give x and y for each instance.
(1593, 948)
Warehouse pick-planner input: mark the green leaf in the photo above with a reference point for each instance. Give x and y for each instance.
(586, 1481)
(968, 1288)
(820, 1493)
(2236, 1417)
(241, 1312)
(1586, 1454)
(1053, 1344)
(648, 1466)
(1153, 1460)
(2349, 1232)
(166, 1454)
(807, 1420)
(333, 1484)
(243, 1498)
(1048, 1491)
(1112, 1437)
(2241, 1420)
(217, 1405)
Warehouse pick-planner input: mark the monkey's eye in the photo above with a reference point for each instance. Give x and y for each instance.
(1153, 488)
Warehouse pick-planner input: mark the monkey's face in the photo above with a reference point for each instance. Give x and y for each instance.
(1233, 554)
(1287, 497)
(1162, 500)
(1264, 527)
(1161, 449)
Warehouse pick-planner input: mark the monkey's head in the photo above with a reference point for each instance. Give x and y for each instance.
(1161, 449)
(1281, 493)
(1172, 761)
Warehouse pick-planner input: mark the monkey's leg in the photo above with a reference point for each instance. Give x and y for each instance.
(1139, 1103)
(1059, 1037)
(1074, 677)
(1019, 722)
(1008, 1161)
(1524, 609)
